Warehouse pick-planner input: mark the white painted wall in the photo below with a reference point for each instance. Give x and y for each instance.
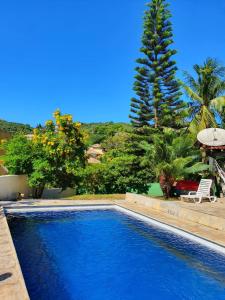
(11, 185)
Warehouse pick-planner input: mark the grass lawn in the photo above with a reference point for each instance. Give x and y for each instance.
(97, 197)
(110, 197)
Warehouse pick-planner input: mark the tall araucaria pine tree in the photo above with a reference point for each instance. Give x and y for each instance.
(157, 102)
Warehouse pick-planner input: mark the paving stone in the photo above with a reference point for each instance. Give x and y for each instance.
(12, 286)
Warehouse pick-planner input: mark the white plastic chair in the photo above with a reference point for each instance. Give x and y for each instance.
(202, 192)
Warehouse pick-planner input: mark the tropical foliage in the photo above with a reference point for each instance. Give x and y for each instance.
(207, 95)
(99, 132)
(120, 169)
(172, 156)
(19, 155)
(53, 156)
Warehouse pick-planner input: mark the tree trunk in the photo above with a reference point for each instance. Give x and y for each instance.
(156, 117)
(204, 156)
(166, 184)
(38, 191)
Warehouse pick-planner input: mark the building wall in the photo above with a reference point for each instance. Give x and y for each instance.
(11, 185)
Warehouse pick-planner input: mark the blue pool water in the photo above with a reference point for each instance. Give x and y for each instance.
(106, 255)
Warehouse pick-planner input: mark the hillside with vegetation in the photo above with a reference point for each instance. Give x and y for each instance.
(98, 133)
(12, 127)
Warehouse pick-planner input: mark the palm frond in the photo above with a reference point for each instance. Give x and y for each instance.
(182, 147)
(190, 93)
(217, 69)
(194, 127)
(190, 81)
(197, 168)
(207, 118)
(197, 69)
(218, 103)
(204, 119)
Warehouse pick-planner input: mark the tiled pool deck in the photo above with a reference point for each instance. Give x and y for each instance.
(206, 220)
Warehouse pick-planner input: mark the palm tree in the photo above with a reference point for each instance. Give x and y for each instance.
(171, 157)
(206, 93)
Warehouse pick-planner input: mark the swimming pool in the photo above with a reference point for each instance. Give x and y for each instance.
(105, 254)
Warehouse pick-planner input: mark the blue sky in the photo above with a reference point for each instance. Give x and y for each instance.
(79, 55)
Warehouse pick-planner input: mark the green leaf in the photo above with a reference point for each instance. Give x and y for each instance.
(191, 93)
(218, 103)
(197, 168)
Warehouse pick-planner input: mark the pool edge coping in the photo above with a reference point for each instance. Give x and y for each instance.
(177, 230)
(8, 289)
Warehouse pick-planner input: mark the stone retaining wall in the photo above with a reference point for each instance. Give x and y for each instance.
(177, 210)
